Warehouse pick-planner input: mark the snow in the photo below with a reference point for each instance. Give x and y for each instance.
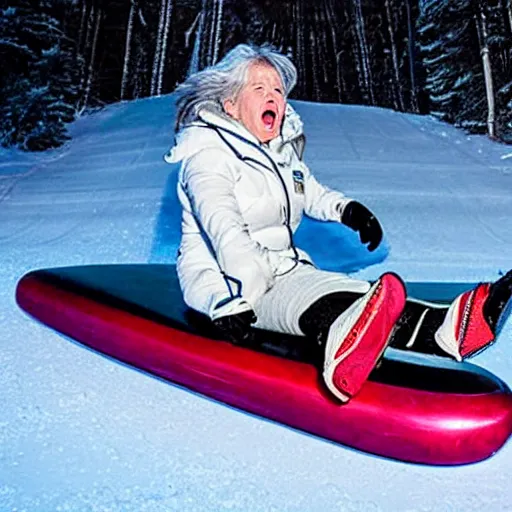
(81, 432)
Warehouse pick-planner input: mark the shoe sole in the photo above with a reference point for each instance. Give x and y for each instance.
(368, 338)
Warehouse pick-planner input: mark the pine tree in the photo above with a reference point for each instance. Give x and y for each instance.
(443, 32)
(38, 90)
(499, 24)
(466, 50)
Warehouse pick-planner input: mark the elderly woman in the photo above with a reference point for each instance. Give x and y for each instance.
(244, 189)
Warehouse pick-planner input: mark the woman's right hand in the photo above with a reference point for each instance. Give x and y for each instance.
(236, 328)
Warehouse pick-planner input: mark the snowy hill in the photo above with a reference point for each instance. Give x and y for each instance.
(81, 432)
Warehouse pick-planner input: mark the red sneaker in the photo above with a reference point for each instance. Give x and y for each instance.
(465, 330)
(358, 337)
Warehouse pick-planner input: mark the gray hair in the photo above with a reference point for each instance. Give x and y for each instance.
(224, 80)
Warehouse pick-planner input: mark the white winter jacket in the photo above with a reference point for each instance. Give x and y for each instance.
(242, 201)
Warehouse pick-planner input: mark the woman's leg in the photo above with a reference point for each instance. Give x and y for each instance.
(474, 319)
(352, 323)
(415, 329)
(316, 320)
(358, 325)
(468, 326)
(292, 294)
(359, 335)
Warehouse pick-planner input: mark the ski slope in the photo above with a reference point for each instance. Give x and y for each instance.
(84, 433)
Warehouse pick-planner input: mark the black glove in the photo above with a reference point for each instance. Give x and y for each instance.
(236, 328)
(359, 218)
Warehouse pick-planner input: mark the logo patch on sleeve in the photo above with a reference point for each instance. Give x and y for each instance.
(298, 182)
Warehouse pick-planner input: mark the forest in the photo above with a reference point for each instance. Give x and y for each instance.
(63, 58)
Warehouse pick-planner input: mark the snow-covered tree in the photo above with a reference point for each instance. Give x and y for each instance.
(499, 41)
(38, 85)
(128, 47)
(352, 51)
(88, 52)
(483, 37)
(208, 41)
(466, 49)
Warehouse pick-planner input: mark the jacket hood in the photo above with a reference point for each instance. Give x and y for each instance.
(194, 138)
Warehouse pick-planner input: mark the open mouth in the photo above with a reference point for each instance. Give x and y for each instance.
(269, 119)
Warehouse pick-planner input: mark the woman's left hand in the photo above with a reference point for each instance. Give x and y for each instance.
(357, 217)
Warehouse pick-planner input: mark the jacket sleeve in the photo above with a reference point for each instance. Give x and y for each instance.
(209, 178)
(321, 202)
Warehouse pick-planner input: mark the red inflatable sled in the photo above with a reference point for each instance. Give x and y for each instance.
(415, 408)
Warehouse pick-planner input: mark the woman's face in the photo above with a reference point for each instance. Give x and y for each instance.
(260, 105)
